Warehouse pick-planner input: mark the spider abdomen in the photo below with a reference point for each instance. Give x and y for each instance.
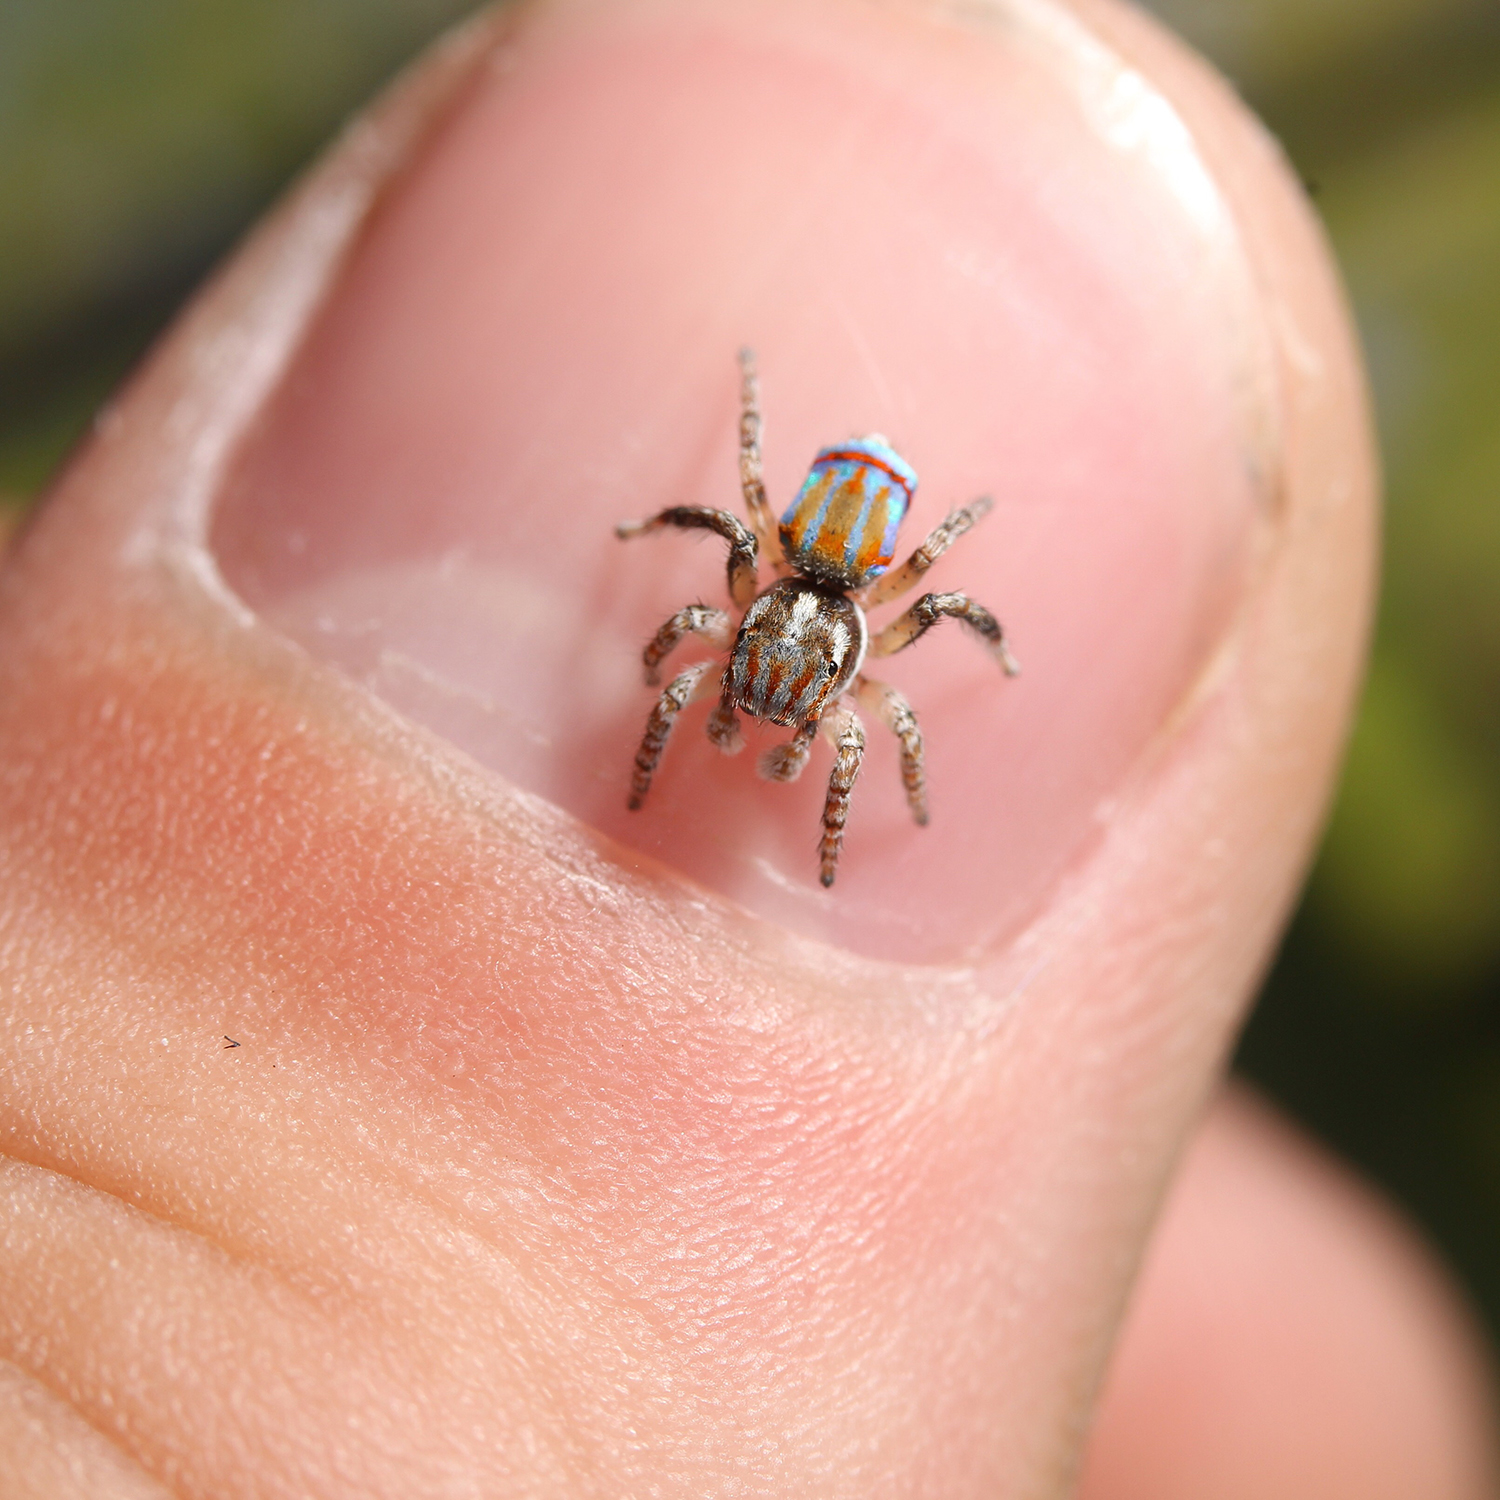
(841, 528)
(798, 648)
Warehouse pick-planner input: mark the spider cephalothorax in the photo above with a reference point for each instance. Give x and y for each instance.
(795, 657)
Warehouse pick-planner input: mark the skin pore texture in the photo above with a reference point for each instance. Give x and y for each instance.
(566, 1151)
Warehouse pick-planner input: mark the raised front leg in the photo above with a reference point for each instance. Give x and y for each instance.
(848, 736)
(762, 521)
(743, 549)
(882, 700)
(931, 608)
(696, 682)
(905, 578)
(711, 625)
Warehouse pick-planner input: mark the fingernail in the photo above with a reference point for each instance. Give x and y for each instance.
(978, 235)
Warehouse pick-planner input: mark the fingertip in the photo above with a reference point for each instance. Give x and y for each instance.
(1290, 1336)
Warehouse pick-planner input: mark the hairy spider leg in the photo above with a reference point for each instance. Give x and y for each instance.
(785, 762)
(905, 578)
(743, 549)
(892, 709)
(752, 483)
(687, 687)
(931, 608)
(723, 727)
(848, 736)
(712, 625)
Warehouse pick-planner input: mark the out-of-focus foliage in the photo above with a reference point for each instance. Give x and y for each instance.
(137, 137)
(1276, 45)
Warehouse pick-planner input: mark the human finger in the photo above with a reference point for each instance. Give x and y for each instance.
(1289, 1336)
(609, 1152)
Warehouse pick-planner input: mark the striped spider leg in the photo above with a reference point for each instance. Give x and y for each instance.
(752, 484)
(931, 608)
(846, 734)
(902, 580)
(688, 686)
(842, 728)
(713, 625)
(744, 548)
(907, 628)
(891, 709)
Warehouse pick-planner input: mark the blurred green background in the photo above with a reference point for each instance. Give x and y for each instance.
(139, 137)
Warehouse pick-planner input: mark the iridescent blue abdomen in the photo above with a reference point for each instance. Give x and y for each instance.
(841, 528)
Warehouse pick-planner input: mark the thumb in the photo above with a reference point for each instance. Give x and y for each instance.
(574, 1151)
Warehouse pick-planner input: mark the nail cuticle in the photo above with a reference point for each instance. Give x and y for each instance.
(235, 344)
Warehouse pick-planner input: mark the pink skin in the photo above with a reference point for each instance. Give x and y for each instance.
(1287, 1338)
(430, 501)
(570, 1153)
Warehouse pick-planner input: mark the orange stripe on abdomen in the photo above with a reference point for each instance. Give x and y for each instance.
(794, 531)
(872, 550)
(839, 521)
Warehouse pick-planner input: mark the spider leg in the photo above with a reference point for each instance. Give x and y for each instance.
(848, 736)
(762, 521)
(785, 762)
(905, 578)
(743, 548)
(882, 700)
(693, 683)
(711, 625)
(931, 608)
(723, 727)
